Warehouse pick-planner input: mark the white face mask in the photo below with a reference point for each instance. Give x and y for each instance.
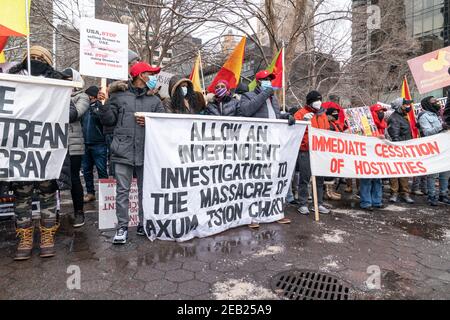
(184, 90)
(316, 105)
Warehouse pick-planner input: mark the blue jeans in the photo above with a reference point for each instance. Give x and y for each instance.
(95, 154)
(371, 193)
(443, 184)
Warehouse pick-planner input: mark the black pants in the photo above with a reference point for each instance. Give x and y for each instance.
(77, 188)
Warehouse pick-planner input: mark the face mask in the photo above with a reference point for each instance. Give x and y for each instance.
(380, 116)
(436, 107)
(38, 67)
(220, 92)
(335, 116)
(184, 90)
(266, 84)
(316, 105)
(407, 109)
(151, 83)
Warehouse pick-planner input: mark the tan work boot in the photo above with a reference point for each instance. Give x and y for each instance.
(26, 243)
(89, 197)
(330, 194)
(284, 221)
(48, 232)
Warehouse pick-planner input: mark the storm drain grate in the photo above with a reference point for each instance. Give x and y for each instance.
(310, 285)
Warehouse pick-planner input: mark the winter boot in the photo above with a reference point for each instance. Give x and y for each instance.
(26, 243)
(48, 231)
(330, 194)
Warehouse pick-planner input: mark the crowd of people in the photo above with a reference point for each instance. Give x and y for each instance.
(106, 132)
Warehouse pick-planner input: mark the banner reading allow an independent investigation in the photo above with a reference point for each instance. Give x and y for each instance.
(335, 154)
(204, 175)
(34, 116)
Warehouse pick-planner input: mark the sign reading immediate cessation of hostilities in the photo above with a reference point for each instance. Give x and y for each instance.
(335, 154)
(103, 49)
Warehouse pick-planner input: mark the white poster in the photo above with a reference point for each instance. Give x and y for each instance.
(103, 49)
(204, 175)
(107, 218)
(335, 154)
(34, 116)
(163, 82)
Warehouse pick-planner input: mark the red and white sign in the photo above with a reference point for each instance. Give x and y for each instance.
(335, 154)
(103, 49)
(107, 218)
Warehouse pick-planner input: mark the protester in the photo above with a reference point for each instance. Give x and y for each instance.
(430, 124)
(313, 111)
(183, 99)
(41, 61)
(337, 126)
(222, 103)
(94, 144)
(262, 103)
(127, 148)
(334, 102)
(399, 129)
(76, 147)
(371, 190)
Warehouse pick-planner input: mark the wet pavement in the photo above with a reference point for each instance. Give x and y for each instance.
(409, 244)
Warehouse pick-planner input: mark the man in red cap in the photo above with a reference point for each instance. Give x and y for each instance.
(262, 103)
(127, 147)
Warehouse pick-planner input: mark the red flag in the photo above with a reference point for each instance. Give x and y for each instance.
(411, 115)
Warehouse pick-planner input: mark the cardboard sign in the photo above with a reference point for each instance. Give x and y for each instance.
(107, 218)
(430, 71)
(103, 49)
(163, 82)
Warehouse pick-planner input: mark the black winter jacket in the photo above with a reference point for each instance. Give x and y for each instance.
(399, 128)
(229, 106)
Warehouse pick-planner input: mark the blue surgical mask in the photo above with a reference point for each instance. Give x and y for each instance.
(151, 83)
(266, 84)
(184, 90)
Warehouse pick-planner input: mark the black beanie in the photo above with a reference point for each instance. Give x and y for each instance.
(330, 111)
(313, 96)
(92, 91)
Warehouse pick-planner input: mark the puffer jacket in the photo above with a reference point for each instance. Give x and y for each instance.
(92, 127)
(128, 142)
(319, 120)
(381, 124)
(228, 106)
(399, 128)
(254, 104)
(81, 101)
(196, 101)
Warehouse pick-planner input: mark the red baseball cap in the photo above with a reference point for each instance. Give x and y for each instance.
(141, 67)
(264, 74)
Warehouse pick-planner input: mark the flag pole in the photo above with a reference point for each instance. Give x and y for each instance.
(28, 36)
(201, 71)
(284, 79)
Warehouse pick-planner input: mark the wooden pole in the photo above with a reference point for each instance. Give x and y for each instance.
(27, 12)
(103, 89)
(316, 201)
(201, 71)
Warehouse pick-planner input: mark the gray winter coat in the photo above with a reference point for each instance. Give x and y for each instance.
(127, 146)
(229, 106)
(81, 101)
(253, 104)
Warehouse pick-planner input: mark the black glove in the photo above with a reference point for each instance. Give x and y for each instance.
(291, 120)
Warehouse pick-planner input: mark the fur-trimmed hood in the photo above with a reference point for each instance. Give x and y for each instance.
(175, 82)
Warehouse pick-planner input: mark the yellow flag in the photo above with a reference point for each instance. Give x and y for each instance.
(2, 57)
(13, 19)
(195, 75)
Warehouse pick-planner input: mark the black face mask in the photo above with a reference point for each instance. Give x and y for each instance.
(407, 110)
(335, 116)
(436, 107)
(38, 68)
(380, 116)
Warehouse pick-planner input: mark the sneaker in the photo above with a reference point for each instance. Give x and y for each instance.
(284, 221)
(418, 193)
(294, 203)
(140, 231)
(303, 210)
(408, 199)
(367, 209)
(121, 236)
(393, 198)
(79, 219)
(89, 197)
(444, 199)
(380, 207)
(323, 210)
(433, 202)
(253, 225)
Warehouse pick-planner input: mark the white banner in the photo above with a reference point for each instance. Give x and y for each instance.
(335, 154)
(107, 218)
(34, 116)
(103, 49)
(204, 175)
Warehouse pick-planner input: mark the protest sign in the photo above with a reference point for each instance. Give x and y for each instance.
(103, 49)
(204, 175)
(430, 71)
(360, 121)
(335, 154)
(107, 218)
(163, 82)
(34, 116)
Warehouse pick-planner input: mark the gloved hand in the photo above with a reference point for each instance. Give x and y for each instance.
(269, 90)
(308, 116)
(291, 120)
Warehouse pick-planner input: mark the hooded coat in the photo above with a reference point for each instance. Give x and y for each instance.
(381, 124)
(341, 121)
(399, 128)
(319, 120)
(196, 102)
(429, 120)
